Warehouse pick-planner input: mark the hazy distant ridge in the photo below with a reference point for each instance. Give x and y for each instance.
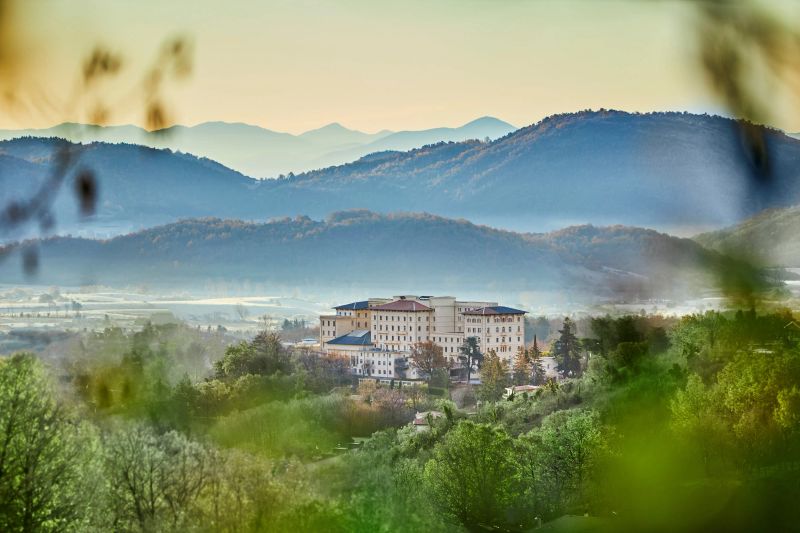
(656, 170)
(399, 252)
(260, 152)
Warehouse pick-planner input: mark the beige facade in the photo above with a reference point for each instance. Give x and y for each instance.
(396, 324)
(348, 317)
(503, 332)
(327, 328)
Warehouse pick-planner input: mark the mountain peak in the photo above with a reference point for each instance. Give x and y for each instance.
(488, 122)
(334, 128)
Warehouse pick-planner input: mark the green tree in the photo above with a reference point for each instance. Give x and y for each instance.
(569, 444)
(471, 474)
(156, 480)
(470, 355)
(47, 469)
(494, 377)
(265, 355)
(567, 349)
(538, 374)
(695, 419)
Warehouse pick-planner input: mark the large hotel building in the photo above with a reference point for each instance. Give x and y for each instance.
(378, 335)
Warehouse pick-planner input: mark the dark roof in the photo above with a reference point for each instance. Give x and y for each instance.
(359, 337)
(354, 305)
(402, 305)
(495, 310)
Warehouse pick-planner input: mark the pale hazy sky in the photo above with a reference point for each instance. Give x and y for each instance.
(294, 65)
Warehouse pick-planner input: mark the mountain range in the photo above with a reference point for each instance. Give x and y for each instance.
(260, 152)
(772, 237)
(394, 252)
(676, 172)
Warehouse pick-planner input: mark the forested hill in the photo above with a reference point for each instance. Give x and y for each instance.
(138, 186)
(412, 251)
(662, 170)
(771, 237)
(605, 167)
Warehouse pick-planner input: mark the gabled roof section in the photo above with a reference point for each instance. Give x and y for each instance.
(358, 337)
(495, 310)
(354, 306)
(402, 305)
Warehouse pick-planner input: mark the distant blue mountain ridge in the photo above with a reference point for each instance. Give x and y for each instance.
(675, 172)
(260, 152)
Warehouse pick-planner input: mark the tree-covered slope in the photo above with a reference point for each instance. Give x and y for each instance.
(771, 237)
(399, 251)
(660, 169)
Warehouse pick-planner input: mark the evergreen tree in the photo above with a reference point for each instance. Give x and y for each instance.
(538, 374)
(567, 349)
(470, 354)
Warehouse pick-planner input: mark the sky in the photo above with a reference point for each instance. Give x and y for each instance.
(370, 65)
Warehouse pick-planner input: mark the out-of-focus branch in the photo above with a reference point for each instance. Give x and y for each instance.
(17, 92)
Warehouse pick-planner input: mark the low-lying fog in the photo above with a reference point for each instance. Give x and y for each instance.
(32, 315)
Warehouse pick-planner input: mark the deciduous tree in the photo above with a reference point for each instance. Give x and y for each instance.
(471, 474)
(427, 358)
(522, 367)
(46, 458)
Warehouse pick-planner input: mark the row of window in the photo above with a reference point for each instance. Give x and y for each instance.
(399, 337)
(380, 372)
(497, 329)
(496, 319)
(497, 339)
(391, 318)
(399, 328)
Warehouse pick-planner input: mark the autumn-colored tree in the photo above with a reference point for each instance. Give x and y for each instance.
(522, 367)
(427, 358)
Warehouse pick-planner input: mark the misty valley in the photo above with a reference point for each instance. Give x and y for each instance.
(381, 267)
